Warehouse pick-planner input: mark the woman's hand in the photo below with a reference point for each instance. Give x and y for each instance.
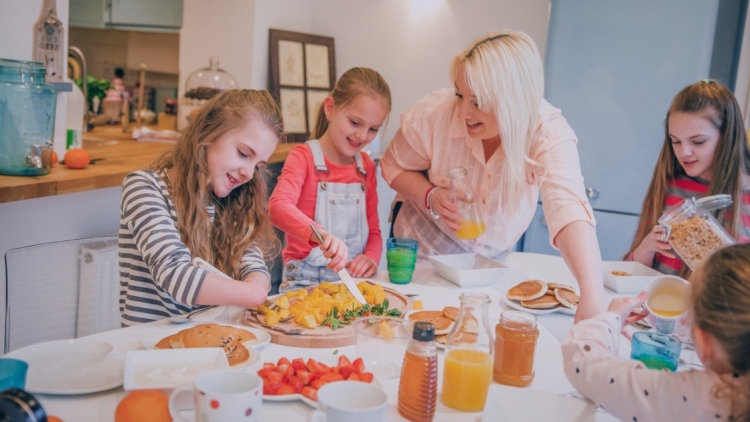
(441, 204)
(362, 266)
(334, 249)
(651, 244)
(623, 307)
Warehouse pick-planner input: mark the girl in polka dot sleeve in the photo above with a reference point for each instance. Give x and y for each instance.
(720, 304)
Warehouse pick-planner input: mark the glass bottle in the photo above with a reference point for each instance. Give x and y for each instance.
(48, 42)
(515, 344)
(464, 196)
(27, 118)
(417, 390)
(468, 356)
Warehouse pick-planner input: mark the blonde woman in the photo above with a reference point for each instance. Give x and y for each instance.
(515, 145)
(206, 198)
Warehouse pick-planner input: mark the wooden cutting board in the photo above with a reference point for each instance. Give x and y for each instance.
(322, 337)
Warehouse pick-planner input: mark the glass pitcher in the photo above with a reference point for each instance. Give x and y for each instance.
(468, 356)
(464, 196)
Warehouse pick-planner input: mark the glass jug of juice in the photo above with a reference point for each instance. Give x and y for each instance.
(515, 343)
(471, 221)
(468, 356)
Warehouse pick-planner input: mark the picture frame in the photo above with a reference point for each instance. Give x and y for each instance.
(302, 71)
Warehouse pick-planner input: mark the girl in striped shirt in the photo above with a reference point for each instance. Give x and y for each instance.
(206, 198)
(704, 153)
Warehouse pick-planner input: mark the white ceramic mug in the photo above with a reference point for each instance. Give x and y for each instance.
(670, 293)
(350, 401)
(221, 395)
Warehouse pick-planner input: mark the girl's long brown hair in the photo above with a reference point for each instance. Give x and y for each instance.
(240, 218)
(731, 163)
(720, 299)
(353, 83)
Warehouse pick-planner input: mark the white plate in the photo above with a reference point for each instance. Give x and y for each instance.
(170, 368)
(261, 337)
(293, 397)
(64, 367)
(517, 305)
(468, 269)
(635, 283)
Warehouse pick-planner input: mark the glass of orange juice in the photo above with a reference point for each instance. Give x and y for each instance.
(466, 199)
(468, 356)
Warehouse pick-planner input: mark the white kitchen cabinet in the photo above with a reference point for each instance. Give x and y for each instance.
(134, 15)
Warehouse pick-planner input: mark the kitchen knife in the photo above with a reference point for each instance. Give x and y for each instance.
(344, 274)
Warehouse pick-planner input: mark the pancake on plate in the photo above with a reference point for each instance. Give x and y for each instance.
(553, 286)
(212, 335)
(544, 302)
(567, 298)
(528, 290)
(442, 324)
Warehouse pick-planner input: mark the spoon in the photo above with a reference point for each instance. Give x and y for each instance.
(182, 319)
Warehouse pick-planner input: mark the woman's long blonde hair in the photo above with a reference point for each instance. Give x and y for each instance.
(353, 83)
(505, 73)
(720, 299)
(240, 218)
(731, 162)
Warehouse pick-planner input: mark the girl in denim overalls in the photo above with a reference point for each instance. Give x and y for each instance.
(330, 183)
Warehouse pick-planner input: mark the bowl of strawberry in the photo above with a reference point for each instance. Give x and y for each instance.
(301, 379)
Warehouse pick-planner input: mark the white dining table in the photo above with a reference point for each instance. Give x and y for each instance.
(435, 292)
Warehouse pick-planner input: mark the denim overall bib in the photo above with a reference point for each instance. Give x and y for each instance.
(341, 209)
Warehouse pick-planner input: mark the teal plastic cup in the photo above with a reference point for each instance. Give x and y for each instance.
(656, 350)
(13, 373)
(401, 254)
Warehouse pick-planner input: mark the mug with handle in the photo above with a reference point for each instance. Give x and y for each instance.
(667, 305)
(222, 395)
(347, 401)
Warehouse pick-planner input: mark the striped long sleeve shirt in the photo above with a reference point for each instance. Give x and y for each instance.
(157, 279)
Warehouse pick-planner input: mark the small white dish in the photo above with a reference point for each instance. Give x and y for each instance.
(517, 305)
(170, 368)
(65, 367)
(261, 337)
(640, 276)
(292, 397)
(468, 269)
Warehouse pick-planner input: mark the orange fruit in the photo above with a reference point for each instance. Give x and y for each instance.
(77, 158)
(53, 419)
(143, 406)
(54, 163)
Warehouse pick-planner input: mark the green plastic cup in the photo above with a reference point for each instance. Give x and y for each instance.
(401, 254)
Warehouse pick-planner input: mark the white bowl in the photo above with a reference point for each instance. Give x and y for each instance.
(635, 283)
(468, 269)
(166, 369)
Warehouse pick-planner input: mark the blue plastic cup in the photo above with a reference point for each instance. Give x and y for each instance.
(13, 373)
(401, 254)
(656, 350)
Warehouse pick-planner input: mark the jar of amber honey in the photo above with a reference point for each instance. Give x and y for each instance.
(515, 343)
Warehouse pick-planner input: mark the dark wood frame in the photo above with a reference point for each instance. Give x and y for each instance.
(276, 35)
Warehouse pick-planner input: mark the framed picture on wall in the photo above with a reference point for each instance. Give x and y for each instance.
(302, 71)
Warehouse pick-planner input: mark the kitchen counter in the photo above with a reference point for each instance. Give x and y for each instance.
(116, 155)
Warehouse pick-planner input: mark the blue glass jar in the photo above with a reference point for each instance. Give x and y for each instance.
(27, 118)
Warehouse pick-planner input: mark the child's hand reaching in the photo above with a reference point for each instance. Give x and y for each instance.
(651, 244)
(362, 266)
(334, 249)
(623, 307)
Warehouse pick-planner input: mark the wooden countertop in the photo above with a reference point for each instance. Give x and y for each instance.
(118, 155)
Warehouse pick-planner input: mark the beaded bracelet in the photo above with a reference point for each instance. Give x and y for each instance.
(428, 202)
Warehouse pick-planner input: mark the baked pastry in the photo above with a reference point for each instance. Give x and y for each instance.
(450, 312)
(543, 302)
(442, 324)
(528, 290)
(567, 298)
(553, 286)
(165, 343)
(212, 335)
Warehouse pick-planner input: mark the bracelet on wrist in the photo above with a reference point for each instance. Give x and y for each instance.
(429, 202)
(427, 197)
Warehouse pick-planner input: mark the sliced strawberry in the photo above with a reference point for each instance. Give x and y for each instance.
(344, 361)
(270, 388)
(317, 367)
(347, 370)
(306, 377)
(354, 377)
(286, 370)
(331, 377)
(318, 383)
(297, 383)
(271, 375)
(366, 376)
(310, 393)
(359, 364)
(285, 389)
(284, 361)
(299, 365)
(268, 365)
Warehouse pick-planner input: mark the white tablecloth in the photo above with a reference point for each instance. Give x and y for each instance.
(435, 293)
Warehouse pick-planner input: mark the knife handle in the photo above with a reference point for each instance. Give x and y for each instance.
(317, 233)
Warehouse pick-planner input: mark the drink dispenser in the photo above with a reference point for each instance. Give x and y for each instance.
(27, 118)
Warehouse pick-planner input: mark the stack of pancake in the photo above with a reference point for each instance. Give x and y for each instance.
(536, 294)
(444, 321)
(212, 335)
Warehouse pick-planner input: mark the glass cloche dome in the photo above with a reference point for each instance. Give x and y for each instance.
(204, 83)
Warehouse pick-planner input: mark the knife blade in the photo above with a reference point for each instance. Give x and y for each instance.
(344, 274)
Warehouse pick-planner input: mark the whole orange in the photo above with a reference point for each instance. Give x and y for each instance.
(77, 158)
(143, 406)
(53, 419)
(54, 158)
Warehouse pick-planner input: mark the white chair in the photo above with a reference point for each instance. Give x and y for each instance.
(61, 290)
